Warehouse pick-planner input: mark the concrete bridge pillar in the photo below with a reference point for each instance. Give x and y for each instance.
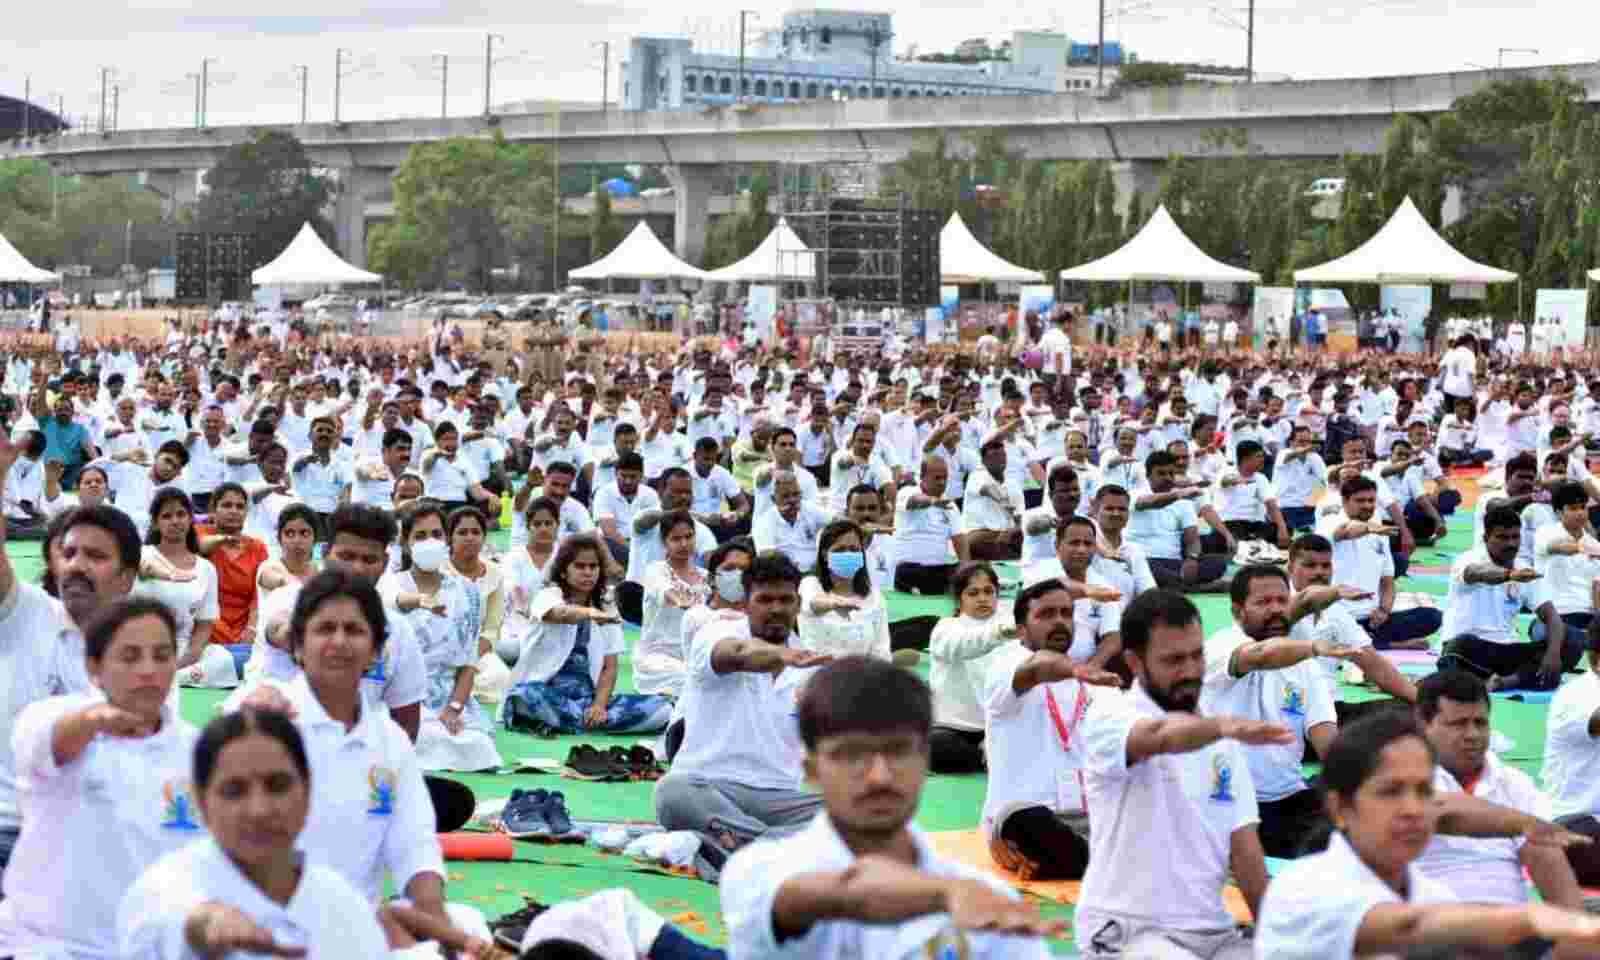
(692, 185)
(1136, 177)
(358, 186)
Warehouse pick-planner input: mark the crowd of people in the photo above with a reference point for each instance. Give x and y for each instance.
(310, 524)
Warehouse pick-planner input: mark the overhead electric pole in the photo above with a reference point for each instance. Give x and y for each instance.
(738, 93)
(1250, 45)
(338, 77)
(1100, 51)
(116, 106)
(305, 76)
(488, 69)
(104, 76)
(605, 73)
(444, 84)
(205, 87)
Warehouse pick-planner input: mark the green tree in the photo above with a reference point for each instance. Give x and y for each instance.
(398, 251)
(107, 221)
(1149, 73)
(605, 230)
(25, 206)
(267, 187)
(472, 204)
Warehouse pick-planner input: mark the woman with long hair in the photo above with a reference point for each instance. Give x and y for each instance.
(101, 787)
(248, 888)
(172, 571)
(465, 528)
(841, 613)
(296, 561)
(565, 677)
(1364, 895)
(671, 586)
(960, 647)
(525, 574)
(237, 559)
(446, 612)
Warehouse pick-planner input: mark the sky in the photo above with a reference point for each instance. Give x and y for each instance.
(548, 49)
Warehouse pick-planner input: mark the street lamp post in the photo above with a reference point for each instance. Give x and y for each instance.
(605, 74)
(739, 93)
(305, 77)
(488, 68)
(444, 84)
(205, 87)
(338, 77)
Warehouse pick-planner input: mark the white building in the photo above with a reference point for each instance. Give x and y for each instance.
(826, 55)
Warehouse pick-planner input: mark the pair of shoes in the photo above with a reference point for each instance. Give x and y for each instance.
(510, 929)
(536, 813)
(585, 762)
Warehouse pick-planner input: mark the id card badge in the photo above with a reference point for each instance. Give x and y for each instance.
(1069, 792)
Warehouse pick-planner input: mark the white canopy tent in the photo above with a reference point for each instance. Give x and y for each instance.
(782, 256)
(15, 268)
(640, 256)
(1407, 250)
(307, 260)
(962, 259)
(1159, 251)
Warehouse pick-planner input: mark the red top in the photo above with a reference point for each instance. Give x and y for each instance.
(236, 585)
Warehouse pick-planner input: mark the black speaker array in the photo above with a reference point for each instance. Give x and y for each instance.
(874, 254)
(213, 267)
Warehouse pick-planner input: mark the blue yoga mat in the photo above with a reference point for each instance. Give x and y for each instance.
(1527, 696)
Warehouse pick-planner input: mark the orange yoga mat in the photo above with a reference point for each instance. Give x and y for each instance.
(970, 847)
(477, 846)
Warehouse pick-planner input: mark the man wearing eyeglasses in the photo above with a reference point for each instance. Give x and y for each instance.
(859, 880)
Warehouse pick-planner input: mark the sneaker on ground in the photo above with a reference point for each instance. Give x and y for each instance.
(524, 814)
(510, 929)
(556, 817)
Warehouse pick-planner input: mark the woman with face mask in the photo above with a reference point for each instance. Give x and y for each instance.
(446, 611)
(841, 613)
(671, 586)
(102, 789)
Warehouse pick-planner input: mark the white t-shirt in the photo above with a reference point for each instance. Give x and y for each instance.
(1338, 626)
(1460, 367)
(192, 601)
(448, 480)
(1297, 480)
(648, 547)
(754, 875)
(796, 540)
(1567, 579)
(1571, 769)
(1055, 343)
(1358, 562)
(979, 512)
(802, 477)
(739, 727)
(326, 915)
(960, 650)
(1488, 611)
(1314, 909)
(923, 536)
(94, 825)
(713, 490)
(609, 502)
(1029, 765)
(1485, 869)
(1160, 531)
(1163, 828)
(1295, 697)
(1245, 500)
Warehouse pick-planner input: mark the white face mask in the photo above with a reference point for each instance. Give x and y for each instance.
(428, 556)
(730, 585)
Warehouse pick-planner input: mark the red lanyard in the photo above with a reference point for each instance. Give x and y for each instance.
(1064, 730)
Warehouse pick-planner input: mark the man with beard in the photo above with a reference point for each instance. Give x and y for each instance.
(1035, 693)
(860, 880)
(620, 500)
(738, 774)
(1171, 799)
(41, 638)
(1254, 670)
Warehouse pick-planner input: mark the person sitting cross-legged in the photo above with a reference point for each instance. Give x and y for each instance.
(738, 774)
(1488, 587)
(1167, 527)
(1362, 559)
(1035, 693)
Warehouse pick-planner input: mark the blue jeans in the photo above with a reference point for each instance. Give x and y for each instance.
(1299, 518)
(241, 656)
(1403, 625)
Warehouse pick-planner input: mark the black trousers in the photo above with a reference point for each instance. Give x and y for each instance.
(927, 580)
(955, 751)
(1519, 660)
(1169, 573)
(1049, 842)
(630, 601)
(912, 633)
(1289, 824)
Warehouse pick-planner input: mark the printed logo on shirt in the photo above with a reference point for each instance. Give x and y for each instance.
(949, 944)
(380, 793)
(1221, 779)
(1294, 700)
(177, 808)
(377, 673)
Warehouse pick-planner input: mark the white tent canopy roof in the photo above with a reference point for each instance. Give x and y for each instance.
(15, 268)
(1595, 275)
(781, 256)
(962, 259)
(308, 260)
(1160, 251)
(640, 256)
(1405, 250)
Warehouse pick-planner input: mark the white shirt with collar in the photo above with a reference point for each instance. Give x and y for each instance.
(94, 825)
(1315, 908)
(546, 646)
(1029, 764)
(1163, 828)
(1295, 697)
(808, 490)
(796, 539)
(609, 502)
(980, 512)
(371, 813)
(739, 727)
(41, 656)
(1485, 869)
(326, 915)
(1488, 611)
(924, 536)
(715, 490)
(1566, 578)
(754, 875)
